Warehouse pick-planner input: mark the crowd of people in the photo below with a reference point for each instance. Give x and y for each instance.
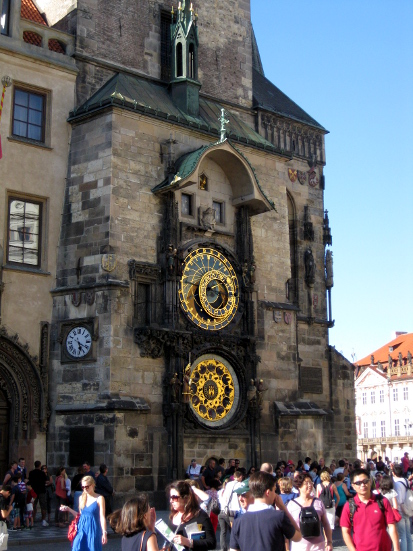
(292, 507)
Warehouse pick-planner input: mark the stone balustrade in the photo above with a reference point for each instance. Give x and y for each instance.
(67, 41)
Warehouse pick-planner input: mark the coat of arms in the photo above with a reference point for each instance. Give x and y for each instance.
(312, 178)
(302, 176)
(292, 174)
(287, 317)
(109, 262)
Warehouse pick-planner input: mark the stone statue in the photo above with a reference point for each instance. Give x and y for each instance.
(186, 391)
(409, 357)
(261, 388)
(252, 271)
(329, 269)
(309, 267)
(245, 278)
(400, 359)
(175, 387)
(390, 360)
(171, 255)
(372, 359)
(207, 220)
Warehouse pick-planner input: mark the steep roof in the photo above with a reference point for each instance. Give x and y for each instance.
(144, 95)
(267, 96)
(256, 58)
(402, 343)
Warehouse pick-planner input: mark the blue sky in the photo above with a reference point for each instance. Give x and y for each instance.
(349, 64)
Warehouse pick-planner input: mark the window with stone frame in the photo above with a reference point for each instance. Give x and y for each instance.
(24, 231)
(365, 429)
(373, 429)
(218, 207)
(29, 115)
(144, 277)
(187, 207)
(396, 427)
(382, 429)
(395, 394)
(381, 396)
(373, 397)
(406, 393)
(407, 427)
(364, 398)
(5, 17)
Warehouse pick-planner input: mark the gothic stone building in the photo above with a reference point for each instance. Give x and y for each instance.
(193, 291)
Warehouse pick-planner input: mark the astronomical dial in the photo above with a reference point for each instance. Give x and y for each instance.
(209, 290)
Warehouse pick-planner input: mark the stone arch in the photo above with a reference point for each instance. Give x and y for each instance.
(24, 387)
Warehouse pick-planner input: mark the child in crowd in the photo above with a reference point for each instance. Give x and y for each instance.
(28, 515)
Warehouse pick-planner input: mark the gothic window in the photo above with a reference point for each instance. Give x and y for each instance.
(29, 115)
(191, 62)
(144, 293)
(5, 16)
(382, 396)
(179, 60)
(382, 429)
(292, 225)
(24, 232)
(187, 204)
(218, 207)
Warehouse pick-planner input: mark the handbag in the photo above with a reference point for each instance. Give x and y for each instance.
(73, 528)
(397, 515)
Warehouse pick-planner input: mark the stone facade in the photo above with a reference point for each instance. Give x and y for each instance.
(144, 187)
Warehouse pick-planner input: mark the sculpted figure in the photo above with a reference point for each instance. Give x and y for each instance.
(329, 269)
(186, 391)
(208, 218)
(175, 387)
(309, 266)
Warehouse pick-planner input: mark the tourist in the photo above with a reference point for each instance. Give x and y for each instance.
(91, 528)
(185, 512)
(307, 499)
(136, 523)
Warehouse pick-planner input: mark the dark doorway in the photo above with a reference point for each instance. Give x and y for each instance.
(4, 435)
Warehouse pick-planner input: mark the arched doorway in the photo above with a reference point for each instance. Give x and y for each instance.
(4, 434)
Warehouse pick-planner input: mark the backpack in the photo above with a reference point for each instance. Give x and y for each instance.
(309, 521)
(353, 507)
(407, 506)
(326, 496)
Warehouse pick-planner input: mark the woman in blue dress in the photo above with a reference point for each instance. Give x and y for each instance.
(91, 528)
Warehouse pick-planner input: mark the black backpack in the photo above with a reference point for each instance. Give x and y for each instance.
(309, 521)
(353, 507)
(326, 497)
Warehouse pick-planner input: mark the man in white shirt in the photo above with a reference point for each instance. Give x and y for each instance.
(193, 470)
(403, 526)
(229, 506)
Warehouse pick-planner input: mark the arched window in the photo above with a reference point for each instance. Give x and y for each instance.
(292, 226)
(179, 61)
(191, 62)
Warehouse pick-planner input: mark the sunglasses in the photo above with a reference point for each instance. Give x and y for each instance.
(85, 487)
(361, 482)
(174, 498)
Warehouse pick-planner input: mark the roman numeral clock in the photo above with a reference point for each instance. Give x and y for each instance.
(78, 340)
(209, 297)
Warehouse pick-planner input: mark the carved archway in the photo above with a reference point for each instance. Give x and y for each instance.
(24, 386)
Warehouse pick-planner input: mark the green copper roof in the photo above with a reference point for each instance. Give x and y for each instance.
(152, 98)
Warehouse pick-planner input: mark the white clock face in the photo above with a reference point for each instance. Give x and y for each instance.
(78, 342)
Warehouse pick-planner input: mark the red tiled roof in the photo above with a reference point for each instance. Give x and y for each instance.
(403, 344)
(29, 11)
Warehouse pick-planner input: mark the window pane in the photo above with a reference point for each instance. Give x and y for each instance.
(20, 129)
(36, 102)
(21, 98)
(20, 113)
(24, 232)
(35, 117)
(34, 132)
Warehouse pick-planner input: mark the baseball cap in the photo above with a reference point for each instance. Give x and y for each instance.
(290, 462)
(243, 488)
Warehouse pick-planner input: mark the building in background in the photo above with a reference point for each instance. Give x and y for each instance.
(192, 300)
(40, 74)
(384, 392)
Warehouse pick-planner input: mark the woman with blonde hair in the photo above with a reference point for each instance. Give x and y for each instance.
(91, 527)
(327, 492)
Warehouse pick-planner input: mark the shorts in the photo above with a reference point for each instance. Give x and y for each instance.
(15, 512)
(41, 498)
(28, 514)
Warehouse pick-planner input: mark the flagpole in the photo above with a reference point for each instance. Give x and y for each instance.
(6, 82)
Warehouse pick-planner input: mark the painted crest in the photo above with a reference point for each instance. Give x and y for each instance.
(109, 262)
(90, 297)
(76, 298)
(312, 178)
(292, 174)
(302, 176)
(277, 316)
(287, 317)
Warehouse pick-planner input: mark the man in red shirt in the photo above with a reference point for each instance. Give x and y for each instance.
(369, 522)
(405, 463)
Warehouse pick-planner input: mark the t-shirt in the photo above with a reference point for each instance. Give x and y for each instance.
(133, 543)
(307, 545)
(369, 524)
(38, 479)
(261, 531)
